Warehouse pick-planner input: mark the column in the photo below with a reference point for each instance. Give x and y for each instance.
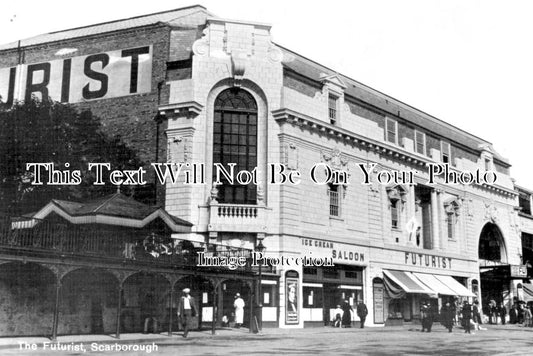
(171, 302)
(56, 310)
(214, 321)
(435, 234)
(119, 309)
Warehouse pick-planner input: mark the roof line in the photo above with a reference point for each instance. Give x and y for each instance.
(105, 202)
(386, 95)
(128, 18)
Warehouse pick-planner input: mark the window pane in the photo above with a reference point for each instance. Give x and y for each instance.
(236, 117)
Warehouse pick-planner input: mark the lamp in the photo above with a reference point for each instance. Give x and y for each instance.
(260, 248)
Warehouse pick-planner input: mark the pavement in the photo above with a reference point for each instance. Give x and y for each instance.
(400, 340)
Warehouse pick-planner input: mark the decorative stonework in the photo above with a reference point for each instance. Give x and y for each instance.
(453, 207)
(274, 54)
(491, 212)
(290, 156)
(397, 193)
(515, 222)
(239, 62)
(200, 47)
(214, 193)
(335, 160)
(179, 149)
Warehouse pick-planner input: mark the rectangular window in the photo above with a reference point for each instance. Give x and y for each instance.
(420, 142)
(450, 223)
(395, 216)
(445, 152)
(334, 200)
(488, 164)
(332, 105)
(524, 202)
(391, 131)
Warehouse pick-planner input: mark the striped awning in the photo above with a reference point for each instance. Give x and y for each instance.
(454, 285)
(432, 282)
(407, 282)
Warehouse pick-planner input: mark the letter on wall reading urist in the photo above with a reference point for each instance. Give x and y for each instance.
(83, 78)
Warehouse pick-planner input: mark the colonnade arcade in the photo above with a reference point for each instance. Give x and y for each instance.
(50, 299)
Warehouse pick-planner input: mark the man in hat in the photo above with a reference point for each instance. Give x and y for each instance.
(186, 310)
(362, 312)
(238, 304)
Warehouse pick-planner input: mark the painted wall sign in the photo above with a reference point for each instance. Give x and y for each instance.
(83, 78)
(423, 260)
(342, 253)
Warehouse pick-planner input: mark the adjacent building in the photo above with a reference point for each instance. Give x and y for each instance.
(407, 206)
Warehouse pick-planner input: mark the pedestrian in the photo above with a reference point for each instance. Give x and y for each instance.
(447, 314)
(362, 312)
(426, 314)
(466, 314)
(347, 315)
(186, 310)
(520, 314)
(476, 314)
(493, 315)
(527, 316)
(148, 312)
(513, 314)
(503, 313)
(238, 304)
(337, 322)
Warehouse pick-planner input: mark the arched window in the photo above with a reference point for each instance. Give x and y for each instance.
(235, 141)
(491, 245)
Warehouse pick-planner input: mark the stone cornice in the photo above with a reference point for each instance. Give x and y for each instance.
(306, 122)
(189, 109)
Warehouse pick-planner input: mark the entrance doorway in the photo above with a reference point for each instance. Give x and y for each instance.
(494, 269)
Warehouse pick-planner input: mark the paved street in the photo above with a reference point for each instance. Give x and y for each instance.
(407, 340)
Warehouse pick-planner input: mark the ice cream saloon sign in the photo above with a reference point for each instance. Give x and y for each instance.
(339, 252)
(82, 78)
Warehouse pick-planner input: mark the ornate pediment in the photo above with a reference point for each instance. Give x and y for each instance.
(453, 206)
(334, 160)
(397, 193)
(333, 80)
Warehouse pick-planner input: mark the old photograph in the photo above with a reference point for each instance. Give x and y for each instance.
(254, 178)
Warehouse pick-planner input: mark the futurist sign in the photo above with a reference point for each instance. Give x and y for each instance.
(83, 78)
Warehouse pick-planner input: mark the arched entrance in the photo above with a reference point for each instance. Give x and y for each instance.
(494, 270)
(27, 295)
(145, 303)
(202, 292)
(230, 288)
(88, 302)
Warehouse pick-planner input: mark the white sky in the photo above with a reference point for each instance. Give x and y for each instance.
(467, 62)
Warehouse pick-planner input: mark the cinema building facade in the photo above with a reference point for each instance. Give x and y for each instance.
(222, 92)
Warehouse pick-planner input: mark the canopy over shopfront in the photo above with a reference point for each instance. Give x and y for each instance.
(528, 292)
(399, 283)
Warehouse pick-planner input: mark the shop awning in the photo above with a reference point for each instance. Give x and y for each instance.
(528, 292)
(407, 282)
(457, 287)
(432, 282)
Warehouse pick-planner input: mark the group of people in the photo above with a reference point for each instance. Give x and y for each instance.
(521, 313)
(343, 316)
(470, 316)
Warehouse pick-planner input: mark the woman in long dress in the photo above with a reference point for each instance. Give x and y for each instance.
(238, 304)
(347, 315)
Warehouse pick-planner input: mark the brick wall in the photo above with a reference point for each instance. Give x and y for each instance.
(130, 117)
